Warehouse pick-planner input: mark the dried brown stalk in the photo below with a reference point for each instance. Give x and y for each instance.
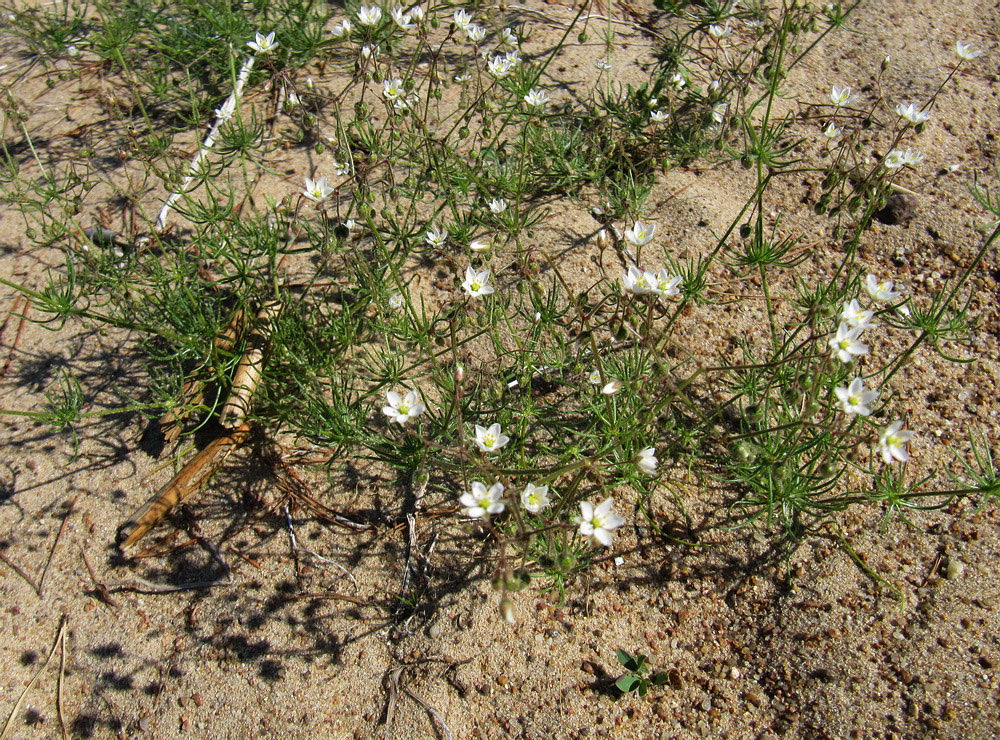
(193, 392)
(251, 367)
(192, 477)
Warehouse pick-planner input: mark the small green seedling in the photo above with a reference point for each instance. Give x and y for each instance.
(636, 678)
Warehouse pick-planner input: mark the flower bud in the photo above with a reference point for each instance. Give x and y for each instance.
(459, 374)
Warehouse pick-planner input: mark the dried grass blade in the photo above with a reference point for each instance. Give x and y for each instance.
(9, 724)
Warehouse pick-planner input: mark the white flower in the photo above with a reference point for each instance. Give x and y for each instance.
(477, 283)
(881, 290)
(854, 399)
(342, 169)
(603, 65)
(611, 387)
(478, 246)
(482, 501)
(845, 343)
(647, 462)
(638, 282)
(719, 112)
(417, 13)
(899, 158)
(678, 80)
(263, 44)
(501, 65)
(401, 409)
(436, 238)
(857, 317)
(341, 29)
(911, 113)
(226, 110)
(831, 131)
(536, 97)
(402, 19)
(462, 18)
(966, 51)
(369, 15)
(667, 284)
(370, 50)
(293, 99)
(393, 90)
(508, 37)
(475, 33)
(720, 32)
(714, 86)
(317, 190)
(598, 523)
(640, 234)
(842, 96)
(497, 205)
(535, 498)
(892, 443)
(491, 439)
(659, 116)
(396, 301)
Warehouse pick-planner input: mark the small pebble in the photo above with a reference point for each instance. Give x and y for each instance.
(955, 568)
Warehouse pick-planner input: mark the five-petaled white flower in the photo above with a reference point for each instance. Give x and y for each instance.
(901, 157)
(402, 19)
(263, 44)
(892, 443)
(667, 284)
(678, 80)
(854, 399)
(646, 461)
(401, 409)
(719, 112)
(535, 498)
(598, 523)
(481, 501)
(831, 131)
(501, 65)
(417, 13)
(475, 33)
(369, 15)
(497, 205)
(462, 18)
(342, 169)
(659, 116)
(341, 29)
(912, 113)
(536, 97)
(640, 234)
(393, 90)
(603, 64)
(857, 317)
(720, 32)
(966, 51)
(490, 439)
(396, 301)
(436, 237)
(638, 282)
(880, 290)
(317, 190)
(477, 283)
(842, 96)
(226, 110)
(845, 343)
(508, 37)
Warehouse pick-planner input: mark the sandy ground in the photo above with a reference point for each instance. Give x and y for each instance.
(293, 646)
